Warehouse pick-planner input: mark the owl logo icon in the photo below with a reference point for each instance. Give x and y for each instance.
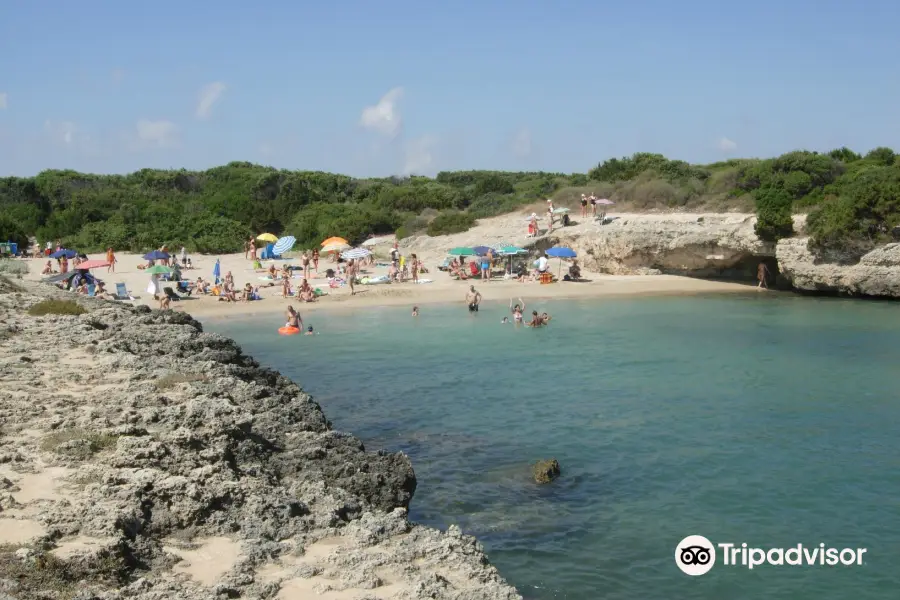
(695, 555)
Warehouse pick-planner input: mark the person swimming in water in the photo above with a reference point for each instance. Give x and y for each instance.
(517, 310)
(536, 320)
(504, 321)
(415, 312)
(309, 331)
(293, 318)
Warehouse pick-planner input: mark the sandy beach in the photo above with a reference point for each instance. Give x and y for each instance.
(442, 288)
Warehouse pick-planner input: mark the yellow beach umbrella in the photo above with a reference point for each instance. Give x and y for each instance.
(335, 240)
(267, 237)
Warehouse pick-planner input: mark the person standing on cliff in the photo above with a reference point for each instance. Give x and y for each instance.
(761, 272)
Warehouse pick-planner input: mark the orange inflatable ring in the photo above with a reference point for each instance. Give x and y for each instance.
(288, 330)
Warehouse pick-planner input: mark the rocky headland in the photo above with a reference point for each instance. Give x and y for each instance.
(142, 458)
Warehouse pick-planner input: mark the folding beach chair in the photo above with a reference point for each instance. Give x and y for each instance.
(122, 292)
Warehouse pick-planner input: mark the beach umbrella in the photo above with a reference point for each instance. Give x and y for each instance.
(283, 245)
(560, 211)
(461, 251)
(335, 247)
(335, 240)
(561, 252)
(604, 202)
(511, 250)
(356, 253)
(60, 277)
(157, 255)
(267, 237)
(158, 270)
(64, 252)
(92, 264)
(482, 250)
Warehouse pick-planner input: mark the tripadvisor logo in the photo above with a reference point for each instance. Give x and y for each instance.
(696, 555)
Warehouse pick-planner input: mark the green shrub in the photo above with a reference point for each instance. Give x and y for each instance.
(773, 214)
(450, 222)
(56, 307)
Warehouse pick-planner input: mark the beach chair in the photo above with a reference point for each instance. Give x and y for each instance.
(184, 287)
(92, 290)
(122, 292)
(170, 294)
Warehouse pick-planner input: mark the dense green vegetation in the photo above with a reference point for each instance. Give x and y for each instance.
(852, 200)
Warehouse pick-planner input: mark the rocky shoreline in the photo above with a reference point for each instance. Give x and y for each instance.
(142, 458)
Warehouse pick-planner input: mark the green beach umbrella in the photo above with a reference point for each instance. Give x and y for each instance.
(462, 252)
(511, 250)
(560, 211)
(158, 270)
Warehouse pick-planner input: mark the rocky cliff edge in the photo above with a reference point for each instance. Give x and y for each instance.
(142, 458)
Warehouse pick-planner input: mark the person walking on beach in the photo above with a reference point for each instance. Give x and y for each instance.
(761, 272)
(473, 299)
(351, 275)
(111, 259)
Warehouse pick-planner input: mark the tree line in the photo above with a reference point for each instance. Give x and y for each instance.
(851, 199)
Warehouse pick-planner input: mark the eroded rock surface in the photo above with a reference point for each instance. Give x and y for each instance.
(876, 274)
(150, 460)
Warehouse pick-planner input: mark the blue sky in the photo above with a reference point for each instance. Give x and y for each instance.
(387, 87)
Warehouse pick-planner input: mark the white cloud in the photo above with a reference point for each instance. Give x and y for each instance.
(726, 145)
(3, 99)
(64, 131)
(161, 134)
(419, 155)
(209, 95)
(384, 117)
(521, 144)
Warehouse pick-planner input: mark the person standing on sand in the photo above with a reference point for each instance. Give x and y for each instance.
(315, 260)
(111, 259)
(584, 203)
(252, 247)
(761, 272)
(351, 275)
(414, 268)
(473, 299)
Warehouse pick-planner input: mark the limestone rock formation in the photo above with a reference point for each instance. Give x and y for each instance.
(876, 274)
(142, 458)
(545, 471)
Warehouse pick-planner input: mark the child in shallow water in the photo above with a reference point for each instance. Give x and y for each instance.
(415, 311)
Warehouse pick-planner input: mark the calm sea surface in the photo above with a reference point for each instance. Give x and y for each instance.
(766, 420)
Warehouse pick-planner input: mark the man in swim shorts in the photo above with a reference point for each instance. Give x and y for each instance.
(473, 299)
(293, 318)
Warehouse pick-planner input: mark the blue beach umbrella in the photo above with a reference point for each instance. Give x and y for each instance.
(283, 245)
(64, 252)
(482, 250)
(156, 255)
(217, 271)
(560, 253)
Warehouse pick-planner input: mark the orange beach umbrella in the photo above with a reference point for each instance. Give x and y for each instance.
(335, 240)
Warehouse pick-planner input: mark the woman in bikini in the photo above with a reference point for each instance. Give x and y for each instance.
(304, 261)
(315, 260)
(517, 310)
(414, 268)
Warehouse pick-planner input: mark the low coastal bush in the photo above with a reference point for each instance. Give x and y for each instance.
(56, 307)
(169, 381)
(79, 443)
(451, 222)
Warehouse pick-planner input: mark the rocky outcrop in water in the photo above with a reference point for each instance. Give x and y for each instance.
(876, 273)
(142, 458)
(545, 471)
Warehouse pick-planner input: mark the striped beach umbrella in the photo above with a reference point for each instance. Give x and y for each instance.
(284, 245)
(356, 253)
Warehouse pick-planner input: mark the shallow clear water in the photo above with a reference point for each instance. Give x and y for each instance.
(770, 420)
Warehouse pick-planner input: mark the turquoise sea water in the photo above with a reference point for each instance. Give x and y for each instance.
(770, 420)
